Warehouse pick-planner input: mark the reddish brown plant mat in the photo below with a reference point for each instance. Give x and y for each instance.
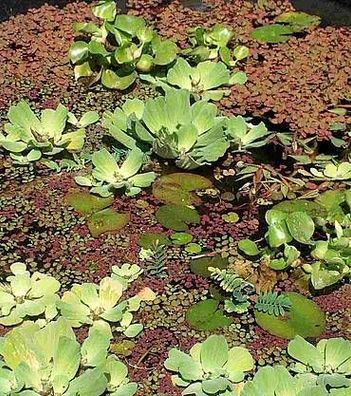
(291, 86)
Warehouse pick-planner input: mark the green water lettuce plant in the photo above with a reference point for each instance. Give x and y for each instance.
(118, 49)
(100, 305)
(27, 137)
(107, 176)
(24, 295)
(278, 381)
(211, 368)
(192, 134)
(333, 171)
(206, 80)
(45, 361)
(213, 44)
(329, 361)
(334, 258)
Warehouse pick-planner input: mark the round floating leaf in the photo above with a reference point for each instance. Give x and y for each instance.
(193, 248)
(298, 21)
(177, 217)
(178, 188)
(200, 266)
(238, 78)
(107, 220)
(301, 226)
(149, 240)
(304, 318)
(205, 315)
(181, 238)
(85, 203)
(272, 33)
(231, 217)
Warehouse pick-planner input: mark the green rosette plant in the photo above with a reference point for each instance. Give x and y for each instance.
(100, 305)
(211, 368)
(27, 138)
(50, 361)
(205, 80)
(329, 362)
(192, 134)
(24, 295)
(213, 44)
(107, 175)
(278, 381)
(118, 49)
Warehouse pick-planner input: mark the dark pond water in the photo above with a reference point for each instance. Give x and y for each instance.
(332, 12)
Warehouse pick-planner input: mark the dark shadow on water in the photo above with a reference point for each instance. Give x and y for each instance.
(332, 12)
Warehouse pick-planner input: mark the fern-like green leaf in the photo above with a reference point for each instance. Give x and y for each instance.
(228, 281)
(157, 261)
(273, 303)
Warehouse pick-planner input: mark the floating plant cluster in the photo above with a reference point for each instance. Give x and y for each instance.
(157, 280)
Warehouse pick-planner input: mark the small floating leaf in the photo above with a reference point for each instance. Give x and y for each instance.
(205, 315)
(179, 188)
(177, 217)
(298, 21)
(272, 33)
(231, 217)
(149, 240)
(301, 226)
(85, 203)
(107, 220)
(193, 248)
(181, 238)
(200, 265)
(248, 247)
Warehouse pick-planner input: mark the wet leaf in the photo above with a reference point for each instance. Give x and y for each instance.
(200, 265)
(85, 203)
(179, 188)
(107, 220)
(304, 318)
(177, 217)
(272, 33)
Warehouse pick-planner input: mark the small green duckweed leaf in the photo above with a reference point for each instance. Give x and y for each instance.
(85, 203)
(230, 217)
(179, 188)
(304, 318)
(107, 220)
(181, 238)
(177, 217)
(193, 248)
(205, 315)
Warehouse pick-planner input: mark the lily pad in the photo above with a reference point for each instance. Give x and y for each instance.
(85, 203)
(274, 33)
(193, 248)
(304, 318)
(107, 220)
(177, 217)
(179, 188)
(298, 21)
(149, 240)
(200, 266)
(205, 315)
